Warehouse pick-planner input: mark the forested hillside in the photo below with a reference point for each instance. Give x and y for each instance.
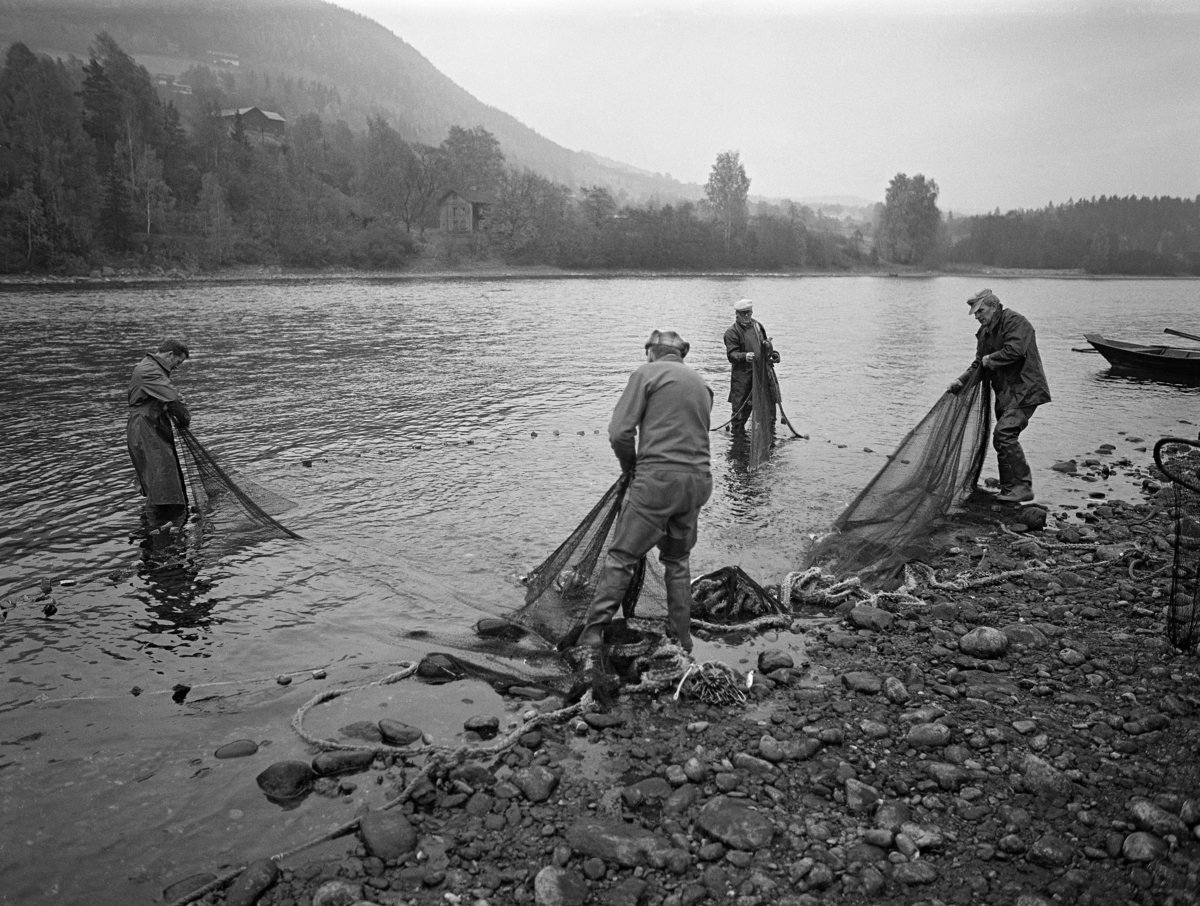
(309, 56)
(1108, 235)
(99, 168)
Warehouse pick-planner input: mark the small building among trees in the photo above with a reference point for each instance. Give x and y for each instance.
(253, 120)
(462, 211)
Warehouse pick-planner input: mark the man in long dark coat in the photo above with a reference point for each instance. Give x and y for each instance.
(1006, 349)
(153, 402)
(745, 343)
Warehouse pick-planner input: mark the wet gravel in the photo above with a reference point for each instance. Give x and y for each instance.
(1031, 741)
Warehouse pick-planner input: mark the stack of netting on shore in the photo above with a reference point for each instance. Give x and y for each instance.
(935, 468)
(1179, 461)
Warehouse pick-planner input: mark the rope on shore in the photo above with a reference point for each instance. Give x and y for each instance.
(439, 757)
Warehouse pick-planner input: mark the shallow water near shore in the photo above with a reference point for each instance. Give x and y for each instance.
(440, 439)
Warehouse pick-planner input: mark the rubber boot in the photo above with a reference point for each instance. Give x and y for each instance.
(1022, 479)
(1006, 474)
(677, 576)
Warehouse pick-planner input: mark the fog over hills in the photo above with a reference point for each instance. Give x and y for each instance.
(361, 67)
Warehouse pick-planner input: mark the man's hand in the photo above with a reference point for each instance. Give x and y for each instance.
(986, 361)
(749, 357)
(955, 387)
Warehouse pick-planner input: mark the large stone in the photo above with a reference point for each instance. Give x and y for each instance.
(984, 642)
(536, 782)
(924, 736)
(735, 824)
(338, 893)
(875, 618)
(949, 777)
(895, 691)
(486, 725)
(1143, 847)
(396, 733)
(918, 872)
(774, 659)
(286, 780)
(1042, 778)
(891, 815)
(249, 885)
(615, 841)
(1149, 817)
(1051, 852)
(559, 887)
(342, 762)
(239, 748)
(387, 835)
(362, 729)
(860, 796)
(862, 681)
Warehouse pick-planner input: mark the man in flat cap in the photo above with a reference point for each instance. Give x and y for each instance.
(154, 404)
(1006, 350)
(666, 407)
(745, 343)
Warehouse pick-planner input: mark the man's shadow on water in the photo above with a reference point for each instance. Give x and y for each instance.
(169, 567)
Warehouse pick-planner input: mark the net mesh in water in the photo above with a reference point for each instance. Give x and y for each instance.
(247, 506)
(1179, 461)
(764, 394)
(559, 590)
(935, 468)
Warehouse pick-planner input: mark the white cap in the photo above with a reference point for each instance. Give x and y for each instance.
(743, 305)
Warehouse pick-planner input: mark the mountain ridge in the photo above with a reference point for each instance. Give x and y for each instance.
(371, 70)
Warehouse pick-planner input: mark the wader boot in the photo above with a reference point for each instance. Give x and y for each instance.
(1006, 474)
(1022, 479)
(679, 601)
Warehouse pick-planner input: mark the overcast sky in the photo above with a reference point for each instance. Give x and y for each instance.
(1004, 104)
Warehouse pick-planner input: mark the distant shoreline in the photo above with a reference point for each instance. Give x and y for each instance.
(276, 274)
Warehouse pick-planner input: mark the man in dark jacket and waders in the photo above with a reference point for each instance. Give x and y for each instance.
(745, 343)
(153, 403)
(666, 407)
(1006, 348)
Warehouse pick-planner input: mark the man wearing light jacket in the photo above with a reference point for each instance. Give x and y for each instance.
(665, 408)
(1006, 350)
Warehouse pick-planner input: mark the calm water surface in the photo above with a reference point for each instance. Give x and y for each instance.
(416, 404)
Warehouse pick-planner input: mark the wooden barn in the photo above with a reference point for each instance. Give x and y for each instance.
(255, 121)
(462, 211)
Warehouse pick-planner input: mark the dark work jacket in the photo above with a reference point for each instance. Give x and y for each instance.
(153, 399)
(739, 341)
(1016, 374)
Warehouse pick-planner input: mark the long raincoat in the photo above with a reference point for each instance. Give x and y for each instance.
(1017, 377)
(153, 400)
(738, 341)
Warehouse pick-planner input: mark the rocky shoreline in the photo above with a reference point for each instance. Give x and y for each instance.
(1031, 738)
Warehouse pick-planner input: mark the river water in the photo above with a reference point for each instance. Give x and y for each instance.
(440, 438)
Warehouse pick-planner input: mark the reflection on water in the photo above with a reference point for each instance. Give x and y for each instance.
(439, 439)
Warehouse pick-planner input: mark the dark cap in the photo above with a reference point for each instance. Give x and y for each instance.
(669, 338)
(984, 295)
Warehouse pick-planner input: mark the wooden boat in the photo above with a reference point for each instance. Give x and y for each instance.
(1164, 360)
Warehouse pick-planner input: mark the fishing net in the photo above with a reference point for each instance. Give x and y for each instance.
(935, 468)
(729, 596)
(764, 394)
(559, 590)
(220, 492)
(1179, 460)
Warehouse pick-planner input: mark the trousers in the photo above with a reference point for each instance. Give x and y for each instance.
(1010, 458)
(662, 509)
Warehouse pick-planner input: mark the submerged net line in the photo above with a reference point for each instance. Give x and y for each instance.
(934, 468)
(1179, 460)
(211, 482)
